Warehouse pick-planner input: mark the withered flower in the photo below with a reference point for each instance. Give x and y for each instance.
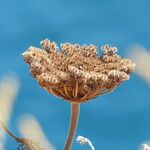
(77, 73)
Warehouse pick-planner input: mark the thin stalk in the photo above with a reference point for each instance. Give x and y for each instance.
(75, 109)
(8, 132)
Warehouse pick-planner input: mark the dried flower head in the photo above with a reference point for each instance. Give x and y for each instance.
(77, 73)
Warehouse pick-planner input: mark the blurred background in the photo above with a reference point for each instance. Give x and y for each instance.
(120, 120)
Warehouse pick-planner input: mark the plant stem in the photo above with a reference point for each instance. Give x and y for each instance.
(7, 131)
(75, 108)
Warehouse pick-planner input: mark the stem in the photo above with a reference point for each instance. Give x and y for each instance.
(7, 131)
(75, 108)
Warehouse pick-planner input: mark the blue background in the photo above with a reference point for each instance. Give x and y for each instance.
(119, 120)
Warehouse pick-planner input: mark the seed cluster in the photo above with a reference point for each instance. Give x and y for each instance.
(77, 73)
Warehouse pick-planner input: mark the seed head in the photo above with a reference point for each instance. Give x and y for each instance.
(77, 73)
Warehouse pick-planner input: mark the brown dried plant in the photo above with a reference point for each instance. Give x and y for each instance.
(77, 73)
(24, 143)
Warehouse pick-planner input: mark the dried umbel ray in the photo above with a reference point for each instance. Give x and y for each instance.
(77, 73)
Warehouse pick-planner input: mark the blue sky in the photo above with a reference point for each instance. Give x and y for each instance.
(118, 120)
